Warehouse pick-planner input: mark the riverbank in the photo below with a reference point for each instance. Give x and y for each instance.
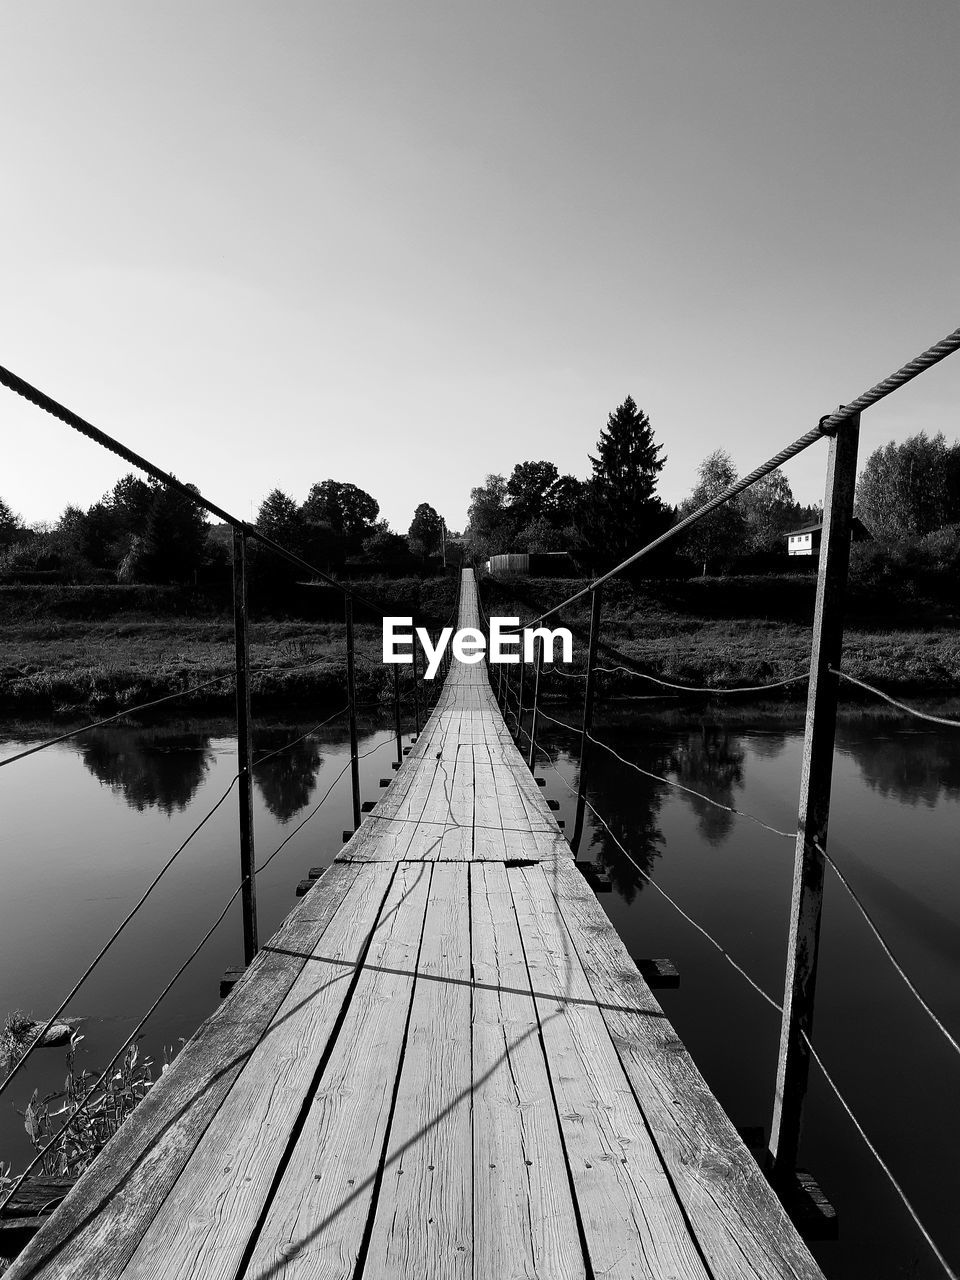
(711, 633)
(70, 649)
(64, 662)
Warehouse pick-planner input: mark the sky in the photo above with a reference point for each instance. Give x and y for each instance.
(408, 244)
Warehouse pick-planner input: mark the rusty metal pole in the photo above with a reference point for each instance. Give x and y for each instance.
(396, 712)
(588, 697)
(538, 667)
(352, 700)
(416, 689)
(798, 1002)
(248, 896)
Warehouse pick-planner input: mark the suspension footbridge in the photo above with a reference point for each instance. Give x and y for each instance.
(444, 1064)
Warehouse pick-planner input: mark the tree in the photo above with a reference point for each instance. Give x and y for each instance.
(338, 517)
(130, 501)
(426, 531)
(280, 518)
(717, 537)
(768, 511)
(11, 526)
(489, 527)
(564, 501)
(529, 489)
(911, 488)
(386, 547)
(175, 536)
(622, 511)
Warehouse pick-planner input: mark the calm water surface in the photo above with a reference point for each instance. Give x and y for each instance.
(85, 826)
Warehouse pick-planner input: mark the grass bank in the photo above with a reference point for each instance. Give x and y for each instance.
(98, 649)
(749, 631)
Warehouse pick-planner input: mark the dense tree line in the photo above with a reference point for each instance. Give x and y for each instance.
(906, 491)
(142, 531)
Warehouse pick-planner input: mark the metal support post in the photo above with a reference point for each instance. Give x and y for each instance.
(588, 696)
(798, 1002)
(396, 712)
(248, 896)
(416, 689)
(538, 667)
(352, 700)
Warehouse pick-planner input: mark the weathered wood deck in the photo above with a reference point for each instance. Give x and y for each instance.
(444, 1064)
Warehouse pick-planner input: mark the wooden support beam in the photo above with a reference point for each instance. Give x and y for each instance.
(230, 979)
(814, 810)
(658, 974)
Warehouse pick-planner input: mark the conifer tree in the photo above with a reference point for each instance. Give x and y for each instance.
(623, 510)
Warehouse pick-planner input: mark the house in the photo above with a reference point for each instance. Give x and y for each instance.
(805, 541)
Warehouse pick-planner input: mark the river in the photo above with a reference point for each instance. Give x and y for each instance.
(86, 824)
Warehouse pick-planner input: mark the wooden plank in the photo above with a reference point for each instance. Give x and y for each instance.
(206, 1221)
(489, 840)
(315, 1224)
(96, 1229)
(524, 1218)
(739, 1223)
(632, 1224)
(423, 1222)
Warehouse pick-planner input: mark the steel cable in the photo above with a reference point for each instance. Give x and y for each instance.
(885, 946)
(901, 706)
(689, 688)
(828, 1079)
(127, 711)
(827, 426)
(136, 1031)
(15, 1069)
(670, 782)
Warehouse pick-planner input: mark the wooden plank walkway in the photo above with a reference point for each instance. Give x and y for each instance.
(444, 1064)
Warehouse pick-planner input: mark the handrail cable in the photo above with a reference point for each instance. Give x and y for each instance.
(890, 1176)
(136, 1031)
(835, 1090)
(159, 876)
(127, 711)
(288, 745)
(690, 688)
(885, 946)
(827, 426)
(670, 782)
(684, 688)
(42, 401)
(901, 706)
(15, 1069)
(263, 866)
(839, 874)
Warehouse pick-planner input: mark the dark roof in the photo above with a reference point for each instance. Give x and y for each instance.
(857, 526)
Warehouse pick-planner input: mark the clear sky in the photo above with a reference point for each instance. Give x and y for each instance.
(408, 242)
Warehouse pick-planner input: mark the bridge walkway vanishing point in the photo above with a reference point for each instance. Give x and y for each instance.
(444, 1064)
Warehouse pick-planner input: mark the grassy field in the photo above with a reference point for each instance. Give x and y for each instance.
(68, 650)
(59, 655)
(723, 632)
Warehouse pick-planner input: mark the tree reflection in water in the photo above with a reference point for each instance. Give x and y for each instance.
(912, 767)
(707, 758)
(710, 760)
(151, 768)
(287, 780)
